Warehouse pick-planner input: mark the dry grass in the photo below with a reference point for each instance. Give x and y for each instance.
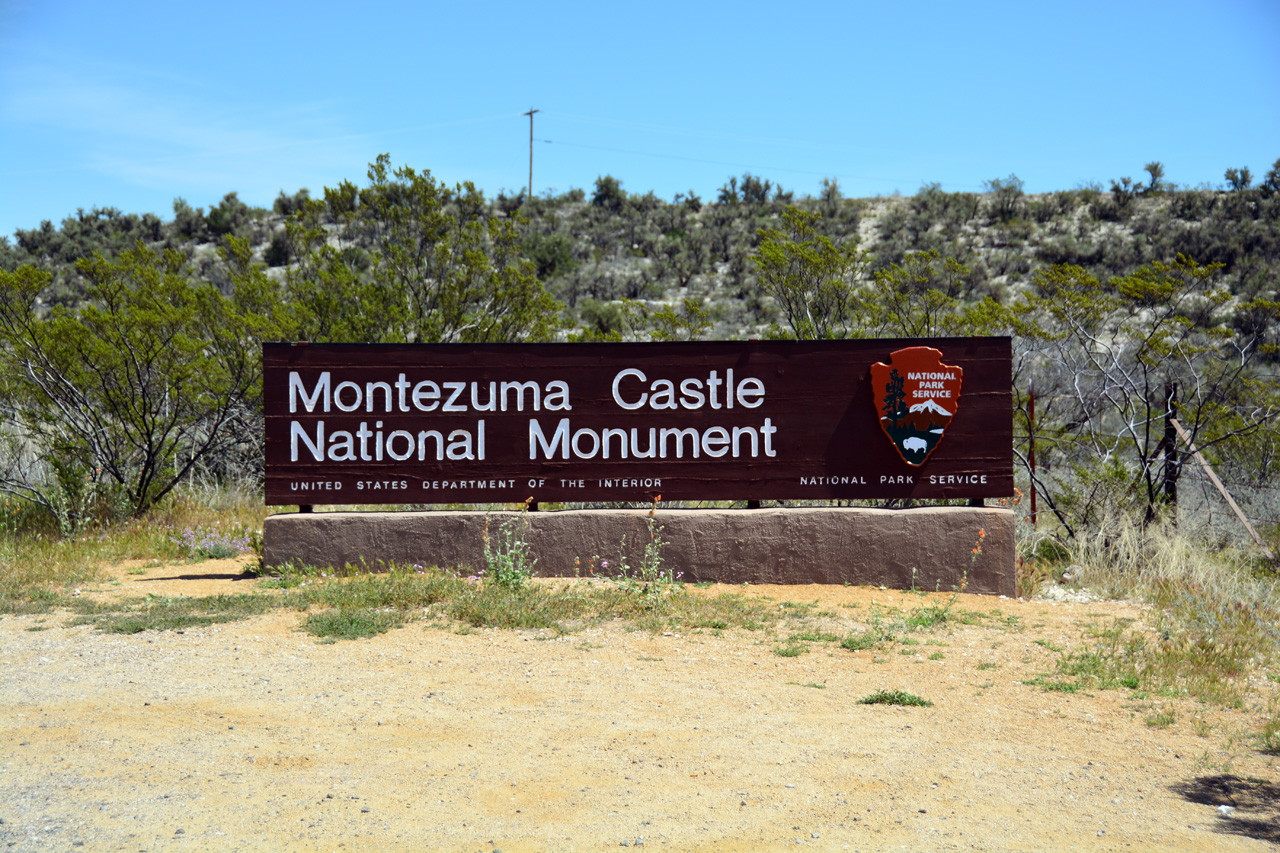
(39, 568)
(1213, 616)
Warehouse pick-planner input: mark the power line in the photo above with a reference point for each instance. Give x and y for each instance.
(666, 129)
(758, 168)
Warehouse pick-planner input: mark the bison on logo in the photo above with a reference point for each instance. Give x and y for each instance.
(916, 397)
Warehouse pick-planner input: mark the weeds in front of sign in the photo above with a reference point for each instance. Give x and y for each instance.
(352, 624)
(530, 607)
(39, 570)
(650, 580)
(363, 605)
(651, 570)
(897, 626)
(39, 567)
(977, 552)
(507, 554)
(798, 643)
(289, 576)
(1029, 576)
(211, 543)
(926, 616)
(448, 598)
(895, 697)
(161, 613)
(863, 640)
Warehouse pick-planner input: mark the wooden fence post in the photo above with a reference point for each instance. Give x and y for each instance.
(1204, 463)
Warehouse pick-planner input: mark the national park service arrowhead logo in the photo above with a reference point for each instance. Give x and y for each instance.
(916, 398)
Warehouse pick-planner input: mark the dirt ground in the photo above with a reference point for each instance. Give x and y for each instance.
(255, 736)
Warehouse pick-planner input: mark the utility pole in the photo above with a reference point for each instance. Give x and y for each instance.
(530, 115)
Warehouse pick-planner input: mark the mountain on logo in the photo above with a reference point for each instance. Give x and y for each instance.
(915, 374)
(925, 418)
(929, 406)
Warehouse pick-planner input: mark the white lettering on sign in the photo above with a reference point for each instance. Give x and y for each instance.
(426, 396)
(373, 445)
(631, 390)
(694, 393)
(379, 485)
(468, 484)
(315, 485)
(660, 443)
(843, 480)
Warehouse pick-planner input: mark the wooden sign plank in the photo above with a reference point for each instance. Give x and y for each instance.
(422, 424)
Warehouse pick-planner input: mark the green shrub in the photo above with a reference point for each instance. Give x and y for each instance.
(508, 557)
(356, 624)
(895, 697)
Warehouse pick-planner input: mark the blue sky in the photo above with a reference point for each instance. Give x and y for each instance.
(132, 104)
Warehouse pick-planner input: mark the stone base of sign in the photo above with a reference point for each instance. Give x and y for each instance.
(928, 547)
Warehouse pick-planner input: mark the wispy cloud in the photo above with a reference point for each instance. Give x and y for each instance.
(162, 131)
(156, 135)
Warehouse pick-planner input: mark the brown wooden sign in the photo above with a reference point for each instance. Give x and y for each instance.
(423, 424)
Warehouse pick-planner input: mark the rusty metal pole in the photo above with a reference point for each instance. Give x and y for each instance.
(1171, 447)
(1031, 453)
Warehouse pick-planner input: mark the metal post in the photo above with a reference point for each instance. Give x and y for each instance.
(1031, 437)
(1171, 446)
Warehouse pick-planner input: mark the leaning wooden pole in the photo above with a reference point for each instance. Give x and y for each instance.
(1204, 463)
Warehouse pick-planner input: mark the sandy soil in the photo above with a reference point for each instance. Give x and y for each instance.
(255, 736)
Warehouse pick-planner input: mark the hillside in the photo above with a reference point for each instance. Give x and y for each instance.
(1128, 306)
(593, 250)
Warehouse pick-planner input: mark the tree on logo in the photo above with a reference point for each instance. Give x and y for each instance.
(895, 401)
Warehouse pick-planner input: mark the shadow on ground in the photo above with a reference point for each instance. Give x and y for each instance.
(214, 576)
(1255, 805)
